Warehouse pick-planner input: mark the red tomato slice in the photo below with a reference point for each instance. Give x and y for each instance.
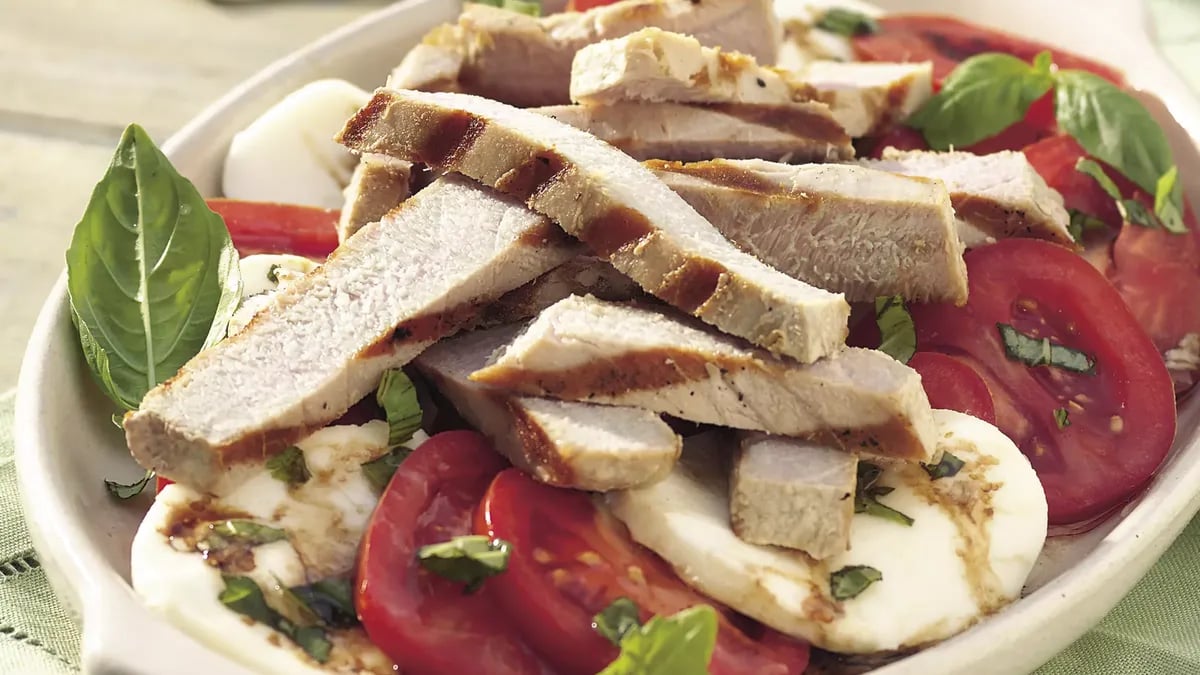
(570, 560)
(1122, 418)
(160, 483)
(1055, 159)
(585, 5)
(425, 623)
(266, 227)
(951, 384)
(946, 41)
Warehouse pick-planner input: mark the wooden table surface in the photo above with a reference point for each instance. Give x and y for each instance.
(73, 73)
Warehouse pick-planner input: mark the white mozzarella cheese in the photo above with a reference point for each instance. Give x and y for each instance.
(324, 518)
(288, 155)
(258, 286)
(968, 553)
(803, 43)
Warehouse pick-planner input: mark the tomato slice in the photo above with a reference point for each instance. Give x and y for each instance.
(585, 5)
(1122, 418)
(946, 41)
(267, 227)
(951, 384)
(571, 560)
(425, 623)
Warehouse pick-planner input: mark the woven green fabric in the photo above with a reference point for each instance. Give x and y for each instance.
(36, 635)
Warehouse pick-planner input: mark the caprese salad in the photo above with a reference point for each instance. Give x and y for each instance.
(648, 336)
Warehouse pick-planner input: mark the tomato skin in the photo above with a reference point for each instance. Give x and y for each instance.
(947, 41)
(585, 5)
(160, 483)
(1122, 417)
(267, 227)
(570, 560)
(426, 624)
(951, 384)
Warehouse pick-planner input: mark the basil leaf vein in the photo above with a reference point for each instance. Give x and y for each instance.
(398, 397)
(469, 559)
(1037, 352)
(896, 327)
(680, 644)
(151, 272)
(242, 532)
(984, 95)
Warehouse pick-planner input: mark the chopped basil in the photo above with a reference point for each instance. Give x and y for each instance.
(332, 600)
(617, 620)
(122, 491)
(1082, 223)
(273, 273)
(948, 467)
(847, 22)
(896, 328)
(289, 467)
(380, 470)
(1168, 199)
(243, 532)
(680, 644)
(468, 559)
(398, 398)
(867, 494)
(1062, 418)
(530, 7)
(1036, 352)
(852, 580)
(984, 95)
(1132, 211)
(242, 595)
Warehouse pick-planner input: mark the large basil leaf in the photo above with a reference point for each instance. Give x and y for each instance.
(1114, 127)
(151, 272)
(983, 96)
(680, 644)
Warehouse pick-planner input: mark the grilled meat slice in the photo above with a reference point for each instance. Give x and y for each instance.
(378, 185)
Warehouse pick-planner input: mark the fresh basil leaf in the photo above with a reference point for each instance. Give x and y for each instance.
(151, 272)
(984, 95)
(852, 580)
(332, 600)
(867, 494)
(398, 398)
(896, 327)
(122, 491)
(1112, 126)
(530, 7)
(241, 532)
(847, 22)
(681, 644)
(1082, 223)
(617, 620)
(1062, 418)
(1168, 196)
(1037, 352)
(380, 470)
(1132, 211)
(243, 595)
(948, 467)
(468, 559)
(289, 467)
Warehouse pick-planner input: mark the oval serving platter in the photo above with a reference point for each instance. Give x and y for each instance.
(65, 441)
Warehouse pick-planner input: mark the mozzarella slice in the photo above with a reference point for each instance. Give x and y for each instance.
(973, 542)
(258, 286)
(324, 518)
(288, 155)
(803, 43)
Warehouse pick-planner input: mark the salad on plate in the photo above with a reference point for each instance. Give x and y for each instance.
(648, 336)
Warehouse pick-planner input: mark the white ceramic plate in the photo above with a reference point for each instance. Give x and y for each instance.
(66, 442)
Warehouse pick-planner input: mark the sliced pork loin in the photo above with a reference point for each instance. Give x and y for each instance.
(378, 185)
(614, 205)
(576, 445)
(870, 98)
(584, 275)
(583, 349)
(845, 228)
(995, 196)
(429, 66)
(657, 65)
(793, 493)
(800, 132)
(322, 344)
(497, 44)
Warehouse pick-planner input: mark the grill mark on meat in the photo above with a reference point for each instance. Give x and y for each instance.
(424, 328)
(662, 368)
(989, 217)
(538, 448)
(546, 234)
(614, 230)
(792, 120)
(451, 137)
(533, 175)
(721, 173)
(364, 119)
(692, 284)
